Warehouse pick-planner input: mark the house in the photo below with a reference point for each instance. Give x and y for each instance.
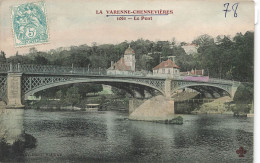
(126, 64)
(166, 69)
(190, 48)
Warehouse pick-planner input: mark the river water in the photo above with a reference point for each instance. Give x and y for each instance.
(109, 136)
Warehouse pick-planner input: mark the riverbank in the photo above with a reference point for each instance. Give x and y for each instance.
(225, 105)
(60, 108)
(15, 152)
(218, 106)
(106, 103)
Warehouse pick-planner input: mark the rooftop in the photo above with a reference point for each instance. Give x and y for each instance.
(166, 64)
(120, 65)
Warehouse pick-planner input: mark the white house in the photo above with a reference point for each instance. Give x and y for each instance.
(166, 69)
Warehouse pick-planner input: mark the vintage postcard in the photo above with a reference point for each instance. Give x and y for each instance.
(127, 81)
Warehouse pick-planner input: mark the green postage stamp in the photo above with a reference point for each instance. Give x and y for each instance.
(29, 24)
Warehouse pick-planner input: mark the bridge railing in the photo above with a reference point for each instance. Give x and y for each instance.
(223, 81)
(4, 67)
(210, 80)
(50, 69)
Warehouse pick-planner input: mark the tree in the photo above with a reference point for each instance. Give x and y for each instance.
(243, 60)
(32, 51)
(183, 43)
(173, 41)
(244, 94)
(40, 60)
(2, 57)
(85, 88)
(146, 62)
(72, 96)
(20, 59)
(119, 92)
(203, 40)
(95, 88)
(60, 95)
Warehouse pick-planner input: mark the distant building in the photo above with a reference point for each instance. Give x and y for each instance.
(166, 68)
(190, 48)
(126, 64)
(129, 57)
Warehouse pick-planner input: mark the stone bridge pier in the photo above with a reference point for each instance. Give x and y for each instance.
(12, 115)
(14, 90)
(11, 120)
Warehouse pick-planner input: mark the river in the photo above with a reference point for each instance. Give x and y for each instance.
(109, 136)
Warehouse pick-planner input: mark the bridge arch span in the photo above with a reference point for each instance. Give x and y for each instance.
(193, 86)
(99, 81)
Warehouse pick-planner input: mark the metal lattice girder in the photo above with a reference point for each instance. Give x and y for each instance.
(176, 84)
(40, 82)
(3, 87)
(32, 83)
(29, 82)
(159, 84)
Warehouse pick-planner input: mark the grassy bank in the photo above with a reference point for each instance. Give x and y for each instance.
(224, 105)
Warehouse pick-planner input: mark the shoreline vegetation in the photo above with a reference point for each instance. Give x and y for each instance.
(16, 151)
(106, 102)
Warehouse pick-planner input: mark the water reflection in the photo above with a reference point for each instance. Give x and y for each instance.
(109, 136)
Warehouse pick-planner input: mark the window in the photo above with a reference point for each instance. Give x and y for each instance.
(163, 70)
(169, 71)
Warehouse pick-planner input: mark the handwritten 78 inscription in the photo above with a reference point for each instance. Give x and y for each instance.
(135, 14)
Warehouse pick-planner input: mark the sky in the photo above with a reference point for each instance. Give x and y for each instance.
(75, 22)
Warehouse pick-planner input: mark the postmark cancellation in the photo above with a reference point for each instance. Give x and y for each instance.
(29, 24)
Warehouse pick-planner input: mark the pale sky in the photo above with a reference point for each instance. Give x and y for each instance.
(75, 22)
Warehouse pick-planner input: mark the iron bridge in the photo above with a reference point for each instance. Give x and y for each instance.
(29, 79)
